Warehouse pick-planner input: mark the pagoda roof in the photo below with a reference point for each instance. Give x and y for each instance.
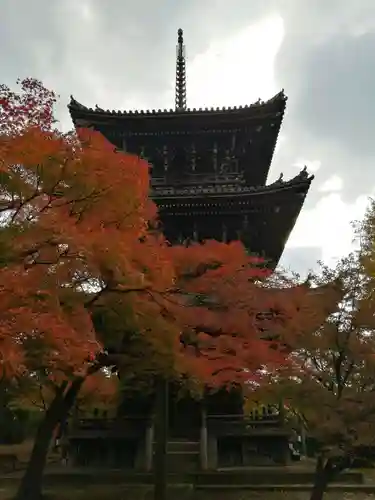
(271, 109)
(259, 122)
(280, 204)
(298, 185)
(254, 128)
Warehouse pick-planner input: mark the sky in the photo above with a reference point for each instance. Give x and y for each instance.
(120, 54)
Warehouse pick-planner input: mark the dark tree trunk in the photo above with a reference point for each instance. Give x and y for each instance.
(161, 440)
(326, 472)
(320, 480)
(319, 488)
(31, 483)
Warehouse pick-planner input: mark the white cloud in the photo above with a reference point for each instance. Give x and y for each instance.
(301, 260)
(281, 143)
(328, 226)
(239, 57)
(312, 165)
(237, 70)
(333, 183)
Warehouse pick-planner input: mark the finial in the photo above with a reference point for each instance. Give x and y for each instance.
(180, 100)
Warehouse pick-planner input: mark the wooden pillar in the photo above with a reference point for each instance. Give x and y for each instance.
(224, 234)
(149, 446)
(285, 452)
(204, 438)
(284, 445)
(161, 439)
(195, 232)
(212, 454)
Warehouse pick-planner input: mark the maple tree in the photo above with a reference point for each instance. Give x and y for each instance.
(87, 280)
(212, 318)
(364, 231)
(34, 393)
(74, 213)
(15, 423)
(330, 384)
(221, 335)
(219, 304)
(240, 320)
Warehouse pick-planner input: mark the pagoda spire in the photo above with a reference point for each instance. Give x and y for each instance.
(180, 73)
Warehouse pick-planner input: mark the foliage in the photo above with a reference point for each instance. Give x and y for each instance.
(15, 423)
(331, 385)
(79, 239)
(220, 302)
(99, 390)
(74, 213)
(87, 281)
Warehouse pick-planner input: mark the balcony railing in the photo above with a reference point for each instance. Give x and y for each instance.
(136, 426)
(197, 179)
(243, 425)
(107, 427)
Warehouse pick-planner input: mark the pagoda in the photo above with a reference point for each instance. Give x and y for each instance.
(209, 170)
(209, 167)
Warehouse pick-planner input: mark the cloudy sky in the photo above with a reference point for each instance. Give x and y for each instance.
(121, 54)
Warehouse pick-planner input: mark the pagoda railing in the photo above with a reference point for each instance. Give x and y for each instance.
(105, 423)
(196, 179)
(242, 425)
(92, 427)
(110, 423)
(225, 183)
(267, 420)
(197, 190)
(206, 178)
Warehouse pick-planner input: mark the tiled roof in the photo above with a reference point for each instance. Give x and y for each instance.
(303, 179)
(276, 103)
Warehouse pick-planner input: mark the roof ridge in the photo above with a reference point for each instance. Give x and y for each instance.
(76, 105)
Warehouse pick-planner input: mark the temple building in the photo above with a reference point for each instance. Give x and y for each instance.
(209, 170)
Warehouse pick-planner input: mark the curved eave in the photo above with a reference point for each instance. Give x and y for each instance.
(297, 185)
(282, 203)
(272, 106)
(261, 121)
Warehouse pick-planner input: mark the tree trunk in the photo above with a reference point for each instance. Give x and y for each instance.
(31, 484)
(320, 480)
(161, 439)
(319, 488)
(326, 473)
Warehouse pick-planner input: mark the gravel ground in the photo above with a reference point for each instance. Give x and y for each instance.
(184, 494)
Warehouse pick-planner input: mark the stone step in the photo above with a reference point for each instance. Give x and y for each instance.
(179, 463)
(369, 489)
(270, 475)
(183, 463)
(183, 455)
(81, 477)
(183, 446)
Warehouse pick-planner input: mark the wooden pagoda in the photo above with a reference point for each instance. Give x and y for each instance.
(209, 169)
